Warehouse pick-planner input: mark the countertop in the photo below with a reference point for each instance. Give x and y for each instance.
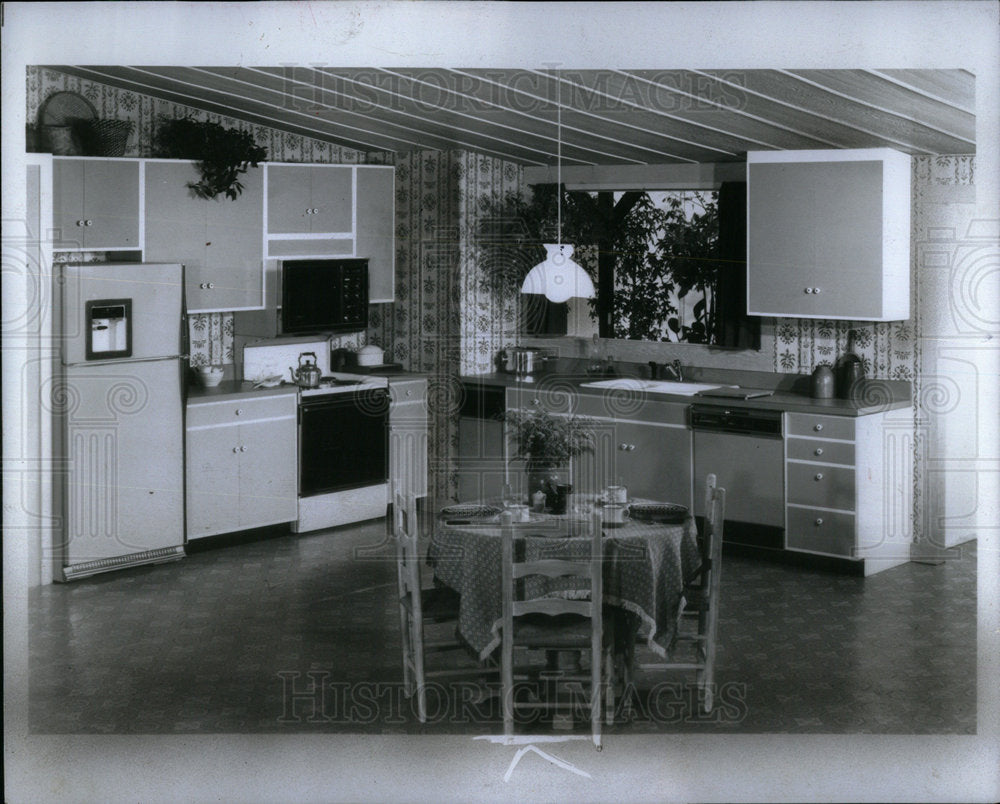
(233, 389)
(873, 396)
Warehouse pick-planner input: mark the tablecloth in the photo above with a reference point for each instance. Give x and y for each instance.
(646, 567)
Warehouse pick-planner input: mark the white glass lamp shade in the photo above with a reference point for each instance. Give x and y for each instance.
(558, 278)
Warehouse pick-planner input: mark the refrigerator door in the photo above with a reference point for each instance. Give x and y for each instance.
(144, 300)
(124, 490)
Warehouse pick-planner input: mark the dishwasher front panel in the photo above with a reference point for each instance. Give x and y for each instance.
(749, 468)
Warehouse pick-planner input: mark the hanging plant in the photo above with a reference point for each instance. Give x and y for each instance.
(223, 154)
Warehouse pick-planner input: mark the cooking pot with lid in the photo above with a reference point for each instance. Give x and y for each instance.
(370, 355)
(523, 360)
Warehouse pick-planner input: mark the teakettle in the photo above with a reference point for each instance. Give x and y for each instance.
(308, 374)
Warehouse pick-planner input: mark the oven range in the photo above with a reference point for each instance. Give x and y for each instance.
(343, 432)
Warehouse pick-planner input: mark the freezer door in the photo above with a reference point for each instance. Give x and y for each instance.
(155, 295)
(124, 438)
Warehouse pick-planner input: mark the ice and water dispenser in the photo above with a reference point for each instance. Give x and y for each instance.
(109, 328)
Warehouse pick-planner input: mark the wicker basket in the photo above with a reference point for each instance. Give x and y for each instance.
(110, 137)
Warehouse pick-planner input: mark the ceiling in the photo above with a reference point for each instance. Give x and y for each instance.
(623, 117)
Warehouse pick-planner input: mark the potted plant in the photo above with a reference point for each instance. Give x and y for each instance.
(547, 442)
(223, 154)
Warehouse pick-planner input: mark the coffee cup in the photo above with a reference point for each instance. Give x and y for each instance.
(614, 515)
(519, 513)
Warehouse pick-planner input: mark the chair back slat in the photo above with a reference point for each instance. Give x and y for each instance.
(552, 606)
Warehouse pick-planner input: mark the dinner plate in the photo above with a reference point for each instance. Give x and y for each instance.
(658, 512)
(470, 511)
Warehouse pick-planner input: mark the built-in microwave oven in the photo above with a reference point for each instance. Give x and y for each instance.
(328, 295)
(310, 296)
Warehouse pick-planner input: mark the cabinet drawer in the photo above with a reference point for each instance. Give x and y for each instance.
(807, 449)
(632, 406)
(240, 411)
(401, 391)
(820, 531)
(822, 486)
(808, 424)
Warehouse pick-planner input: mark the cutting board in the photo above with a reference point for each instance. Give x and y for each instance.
(736, 393)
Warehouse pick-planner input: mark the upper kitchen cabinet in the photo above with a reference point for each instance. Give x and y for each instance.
(310, 210)
(219, 240)
(828, 234)
(321, 211)
(96, 204)
(375, 219)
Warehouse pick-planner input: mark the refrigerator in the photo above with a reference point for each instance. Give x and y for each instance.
(119, 411)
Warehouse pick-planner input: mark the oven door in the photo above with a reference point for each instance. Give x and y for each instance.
(343, 441)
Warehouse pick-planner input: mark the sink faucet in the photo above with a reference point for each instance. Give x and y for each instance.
(676, 369)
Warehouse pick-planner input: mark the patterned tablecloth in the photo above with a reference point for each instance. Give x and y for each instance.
(646, 567)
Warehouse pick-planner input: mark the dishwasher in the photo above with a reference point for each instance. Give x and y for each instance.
(744, 448)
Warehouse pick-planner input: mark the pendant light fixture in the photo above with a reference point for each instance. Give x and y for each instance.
(557, 277)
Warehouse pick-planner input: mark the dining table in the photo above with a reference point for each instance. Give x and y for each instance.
(647, 564)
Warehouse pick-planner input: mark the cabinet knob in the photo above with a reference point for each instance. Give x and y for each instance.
(409, 393)
(819, 521)
(239, 411)
(819, 450)
(88, 223)
(817, 290)
(79, 223)
(631, 447)
(622, 447)
(242, 448)
(236, 449)
(818, 427)
(211, 285)
(536, 401)
(819, 476)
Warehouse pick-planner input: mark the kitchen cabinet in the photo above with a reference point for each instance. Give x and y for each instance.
(310, 199)
(408, 431)
(96, 204)
(639, 442)
(375, 229)
(849, 486)
(828, 234)
(219, 240)
(241, 463)
(481, 467)
(318, 211)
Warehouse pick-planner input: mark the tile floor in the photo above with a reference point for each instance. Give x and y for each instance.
(279, 634)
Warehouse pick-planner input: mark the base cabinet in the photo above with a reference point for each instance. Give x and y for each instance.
(408, 431)
(849, 486)
(241, 464)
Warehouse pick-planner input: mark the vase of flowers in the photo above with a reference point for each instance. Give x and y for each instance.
(547, 442)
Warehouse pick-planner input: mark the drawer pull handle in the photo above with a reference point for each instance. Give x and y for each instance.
(819, 521)
(819, 476)
(819, 450)
(818, 427)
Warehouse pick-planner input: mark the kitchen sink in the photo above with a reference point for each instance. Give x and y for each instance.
(654, 386)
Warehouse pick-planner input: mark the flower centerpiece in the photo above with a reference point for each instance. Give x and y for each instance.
(547, 442)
